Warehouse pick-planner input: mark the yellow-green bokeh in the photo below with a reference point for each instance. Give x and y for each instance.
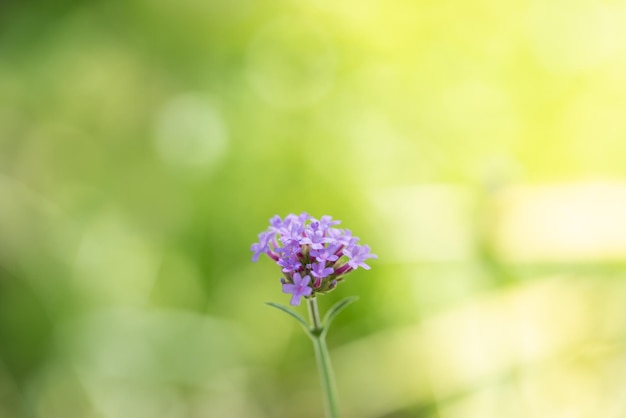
(478, 147)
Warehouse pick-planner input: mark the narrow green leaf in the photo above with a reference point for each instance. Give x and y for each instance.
(288, 311)
(334, 311)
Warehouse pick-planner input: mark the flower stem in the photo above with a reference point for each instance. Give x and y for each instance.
(318, 335)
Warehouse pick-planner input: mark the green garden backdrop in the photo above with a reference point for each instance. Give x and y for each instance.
(478, 147)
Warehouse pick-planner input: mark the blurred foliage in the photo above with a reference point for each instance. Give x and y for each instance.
(477, 147)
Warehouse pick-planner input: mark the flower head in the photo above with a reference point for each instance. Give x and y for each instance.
(307, 248)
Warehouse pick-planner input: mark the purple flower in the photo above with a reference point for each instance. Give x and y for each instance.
(299, 288)
(314, 237)
(292, 233)
(262, 246)
(320, 271)
(276, 223)
(357, 255)
(326, 254)
(289, 264)
(341, 236)
(326, 222)
(308, 249)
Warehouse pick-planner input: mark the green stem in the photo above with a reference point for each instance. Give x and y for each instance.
(318, 335)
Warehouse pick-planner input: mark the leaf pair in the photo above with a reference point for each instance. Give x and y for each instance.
(328, 318)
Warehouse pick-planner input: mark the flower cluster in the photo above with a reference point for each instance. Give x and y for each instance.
(314, 256)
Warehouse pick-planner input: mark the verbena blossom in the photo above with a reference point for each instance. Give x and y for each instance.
(299, 287)
(313, 255)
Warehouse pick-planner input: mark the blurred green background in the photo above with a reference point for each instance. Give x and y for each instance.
(479, 147)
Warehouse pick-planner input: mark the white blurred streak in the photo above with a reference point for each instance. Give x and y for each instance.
(506, 330)
(569, 222)
(483, 403)
(115, 264)
(422, 223)
(457, 356)
(190, 132)
(574, 37)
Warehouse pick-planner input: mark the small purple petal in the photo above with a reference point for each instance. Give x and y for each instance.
(357, 255)
(263, 245)
(289, 264)
(326, 222)
(319, 270)
(326, 254)
(299, 288)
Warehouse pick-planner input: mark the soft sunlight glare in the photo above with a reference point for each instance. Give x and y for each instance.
(423, 223)
(560, 222)
(190, 132)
